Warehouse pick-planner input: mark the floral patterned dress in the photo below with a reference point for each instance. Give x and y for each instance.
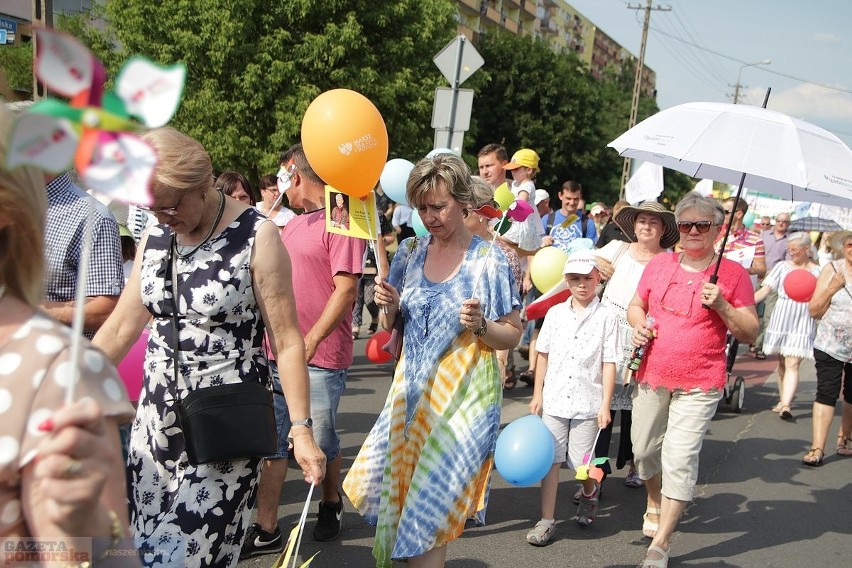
(426, 465)
(185, 515)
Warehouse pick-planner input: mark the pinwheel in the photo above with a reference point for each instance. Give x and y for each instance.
(589, 468)
(512, 209)
(291, 551)
(94, 130)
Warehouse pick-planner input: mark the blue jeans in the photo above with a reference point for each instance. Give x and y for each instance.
(327, 386)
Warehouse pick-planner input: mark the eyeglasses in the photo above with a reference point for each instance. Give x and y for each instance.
(686, 226)
(273, 188)
(170, 211)
(674, 311)
(728, 211)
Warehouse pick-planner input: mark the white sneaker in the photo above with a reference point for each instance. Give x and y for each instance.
(541, 534)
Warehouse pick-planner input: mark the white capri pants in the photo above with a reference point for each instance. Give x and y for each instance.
(583, 432)
(667, 433)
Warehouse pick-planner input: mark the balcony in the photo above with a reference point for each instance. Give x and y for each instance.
(510, 25)
(470, 6)
(511, 3)
(529, 6)
(548, 27)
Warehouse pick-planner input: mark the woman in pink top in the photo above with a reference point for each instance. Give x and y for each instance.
(682, 373)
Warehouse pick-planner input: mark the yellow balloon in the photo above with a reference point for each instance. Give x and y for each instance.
(546, 268)
(504, 196)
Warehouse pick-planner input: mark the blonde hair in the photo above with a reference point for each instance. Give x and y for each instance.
(22, 216)
(428, 173)
(183, 165)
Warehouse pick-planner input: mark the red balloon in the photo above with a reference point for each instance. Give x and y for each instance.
(374, 347)
(800, 285)
(132, 367)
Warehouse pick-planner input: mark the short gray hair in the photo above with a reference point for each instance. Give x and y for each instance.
(801, 237)
(704, 205)
(483, 194)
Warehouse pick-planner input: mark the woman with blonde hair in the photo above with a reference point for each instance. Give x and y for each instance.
(231, 281)
(61, 474)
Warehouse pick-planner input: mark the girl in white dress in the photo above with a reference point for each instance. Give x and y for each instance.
(526, 236)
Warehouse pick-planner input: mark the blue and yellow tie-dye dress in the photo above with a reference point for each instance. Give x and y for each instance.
(425, 467)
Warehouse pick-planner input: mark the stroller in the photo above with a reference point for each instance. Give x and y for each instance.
(734, 392)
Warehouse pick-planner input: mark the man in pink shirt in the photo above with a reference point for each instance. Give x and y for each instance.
(326, 270)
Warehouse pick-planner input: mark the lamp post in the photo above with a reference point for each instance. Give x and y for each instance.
(740, 74)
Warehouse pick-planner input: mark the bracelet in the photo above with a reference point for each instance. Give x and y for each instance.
(483, 329)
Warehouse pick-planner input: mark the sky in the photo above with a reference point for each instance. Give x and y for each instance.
(698, 48)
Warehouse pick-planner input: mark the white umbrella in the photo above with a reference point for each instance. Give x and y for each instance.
(780, 155)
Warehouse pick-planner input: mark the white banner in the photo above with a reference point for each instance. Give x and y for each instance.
(645, 185)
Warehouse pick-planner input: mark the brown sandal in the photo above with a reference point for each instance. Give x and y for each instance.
(843, 448)
(812, 458)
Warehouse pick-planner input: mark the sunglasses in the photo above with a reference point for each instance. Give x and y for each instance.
(686, 226)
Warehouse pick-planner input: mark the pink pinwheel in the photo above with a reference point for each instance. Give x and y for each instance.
(519, 210)
(94, 129)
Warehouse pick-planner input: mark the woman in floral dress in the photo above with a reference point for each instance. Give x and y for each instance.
(184, 514)
(442, 414)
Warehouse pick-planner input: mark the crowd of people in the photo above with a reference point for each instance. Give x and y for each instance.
(235, 288)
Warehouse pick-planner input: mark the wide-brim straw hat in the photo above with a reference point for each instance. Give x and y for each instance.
(626, 219)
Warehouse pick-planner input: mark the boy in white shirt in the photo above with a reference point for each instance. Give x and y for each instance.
(577, 350)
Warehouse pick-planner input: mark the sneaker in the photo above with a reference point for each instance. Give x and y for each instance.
(258, 542)
(329, 520)
(633, 480)
(541, 534)
(587, 509)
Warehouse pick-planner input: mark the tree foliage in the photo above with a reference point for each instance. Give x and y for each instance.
(254, 66)
(17, 63)
(529, 96)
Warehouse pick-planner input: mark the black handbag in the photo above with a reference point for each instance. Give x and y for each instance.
(234, 421)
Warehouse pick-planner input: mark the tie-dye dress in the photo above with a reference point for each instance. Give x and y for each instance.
(425, 467)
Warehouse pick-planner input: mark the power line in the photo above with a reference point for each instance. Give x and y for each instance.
(740, 61)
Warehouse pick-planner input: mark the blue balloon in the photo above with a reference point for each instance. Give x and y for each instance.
(394, 178)
(437, 151)
(417, 224)
(524, 451)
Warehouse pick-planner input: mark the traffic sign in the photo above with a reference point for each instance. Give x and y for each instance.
(445, 139)
(458, 60)
(2, 37)
(441, 110)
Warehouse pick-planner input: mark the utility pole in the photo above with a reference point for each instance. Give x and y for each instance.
(637, 81)
(42, 17)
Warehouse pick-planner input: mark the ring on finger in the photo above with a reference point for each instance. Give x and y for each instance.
(73, 469)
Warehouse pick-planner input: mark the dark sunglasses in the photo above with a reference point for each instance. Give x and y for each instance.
(686, 226)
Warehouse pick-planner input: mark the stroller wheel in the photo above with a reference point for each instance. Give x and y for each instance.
(738, 395)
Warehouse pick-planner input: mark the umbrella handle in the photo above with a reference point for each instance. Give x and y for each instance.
(713, 279)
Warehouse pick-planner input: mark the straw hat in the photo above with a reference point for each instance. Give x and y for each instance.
(626, 219)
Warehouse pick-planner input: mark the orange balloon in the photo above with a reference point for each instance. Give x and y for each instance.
(345, 141)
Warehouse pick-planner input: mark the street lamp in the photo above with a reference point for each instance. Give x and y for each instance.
(740, 74)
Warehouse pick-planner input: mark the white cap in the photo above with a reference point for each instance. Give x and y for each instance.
(541, 195)
(580, 262)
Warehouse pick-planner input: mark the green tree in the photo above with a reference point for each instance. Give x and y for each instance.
(254, 66)
(17, 63)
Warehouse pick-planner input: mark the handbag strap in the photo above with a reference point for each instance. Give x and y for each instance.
(171, 281)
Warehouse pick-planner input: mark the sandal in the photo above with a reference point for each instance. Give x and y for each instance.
(812, 458)
(661, 562)
(759, 355)
(373, 327)
(528, 377)
(843, 448)
(785, 414)
(510, 382)
(356, 334)
(649, 527)
(777, 408)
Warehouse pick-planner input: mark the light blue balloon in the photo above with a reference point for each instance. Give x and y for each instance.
(417, 224)
(524, 452)
(437, 151)
(394, 177)
(748, 219)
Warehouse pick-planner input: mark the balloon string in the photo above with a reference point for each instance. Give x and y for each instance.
(374, 242)
(80, 303)
(485, 260)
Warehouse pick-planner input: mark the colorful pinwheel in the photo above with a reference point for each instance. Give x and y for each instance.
(94, 129)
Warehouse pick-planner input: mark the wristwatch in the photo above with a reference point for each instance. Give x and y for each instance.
(307, 423)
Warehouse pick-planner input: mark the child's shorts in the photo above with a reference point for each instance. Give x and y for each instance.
(582, 430)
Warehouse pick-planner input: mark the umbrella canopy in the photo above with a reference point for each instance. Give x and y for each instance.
(780, 155)
(814, 224)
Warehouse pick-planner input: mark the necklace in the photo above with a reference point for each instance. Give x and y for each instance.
(702, 271)
(209, 233)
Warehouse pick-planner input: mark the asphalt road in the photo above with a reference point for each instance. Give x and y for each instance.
(756, 505)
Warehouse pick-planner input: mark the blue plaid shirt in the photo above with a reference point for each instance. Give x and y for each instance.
(63, 243)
